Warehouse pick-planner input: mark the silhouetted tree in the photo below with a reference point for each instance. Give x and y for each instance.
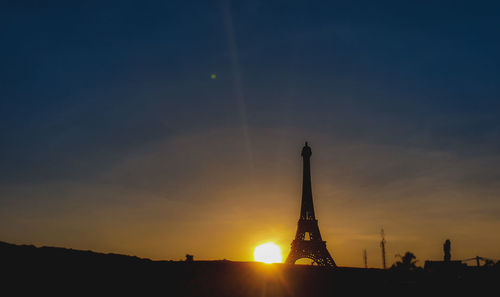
(407, 262)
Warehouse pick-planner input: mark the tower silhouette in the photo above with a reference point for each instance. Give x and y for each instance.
(382, 246)
(308, 242)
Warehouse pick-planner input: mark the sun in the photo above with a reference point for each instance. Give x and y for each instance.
(268, 253)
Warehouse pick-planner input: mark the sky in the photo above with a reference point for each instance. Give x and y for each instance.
(116, 138)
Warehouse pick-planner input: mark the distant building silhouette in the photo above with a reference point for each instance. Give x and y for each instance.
(447, 249)
(447, 265)
(308, 242)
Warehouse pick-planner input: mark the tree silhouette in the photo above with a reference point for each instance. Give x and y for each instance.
(407, 262)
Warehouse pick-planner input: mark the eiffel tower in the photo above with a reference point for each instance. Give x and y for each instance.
(308, 242)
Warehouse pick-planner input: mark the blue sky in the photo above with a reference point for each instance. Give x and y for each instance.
(108, 111)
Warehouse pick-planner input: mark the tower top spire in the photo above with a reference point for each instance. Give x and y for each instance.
(306, 151)
(307, 208)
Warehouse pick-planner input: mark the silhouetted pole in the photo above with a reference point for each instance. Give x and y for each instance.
(478, 260)
(382, 246)
(365, 258)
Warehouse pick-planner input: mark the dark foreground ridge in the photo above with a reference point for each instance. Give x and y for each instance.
(57, 271)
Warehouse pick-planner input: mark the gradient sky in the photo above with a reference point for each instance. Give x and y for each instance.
(116, 139)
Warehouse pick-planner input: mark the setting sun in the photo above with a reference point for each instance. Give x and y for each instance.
(268, 253)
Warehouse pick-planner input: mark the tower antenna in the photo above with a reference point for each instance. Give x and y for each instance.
(382, 246)
(365, 258)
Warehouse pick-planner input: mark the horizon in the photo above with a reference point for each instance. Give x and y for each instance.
(164, 129)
